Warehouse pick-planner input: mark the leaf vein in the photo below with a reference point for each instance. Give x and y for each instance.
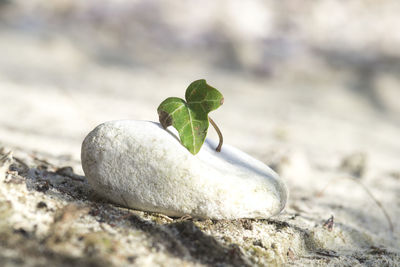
(191, 125)
(176, 110)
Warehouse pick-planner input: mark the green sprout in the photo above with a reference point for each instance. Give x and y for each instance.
(190, 117)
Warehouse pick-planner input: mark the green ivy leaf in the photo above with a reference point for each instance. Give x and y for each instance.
(190, 117)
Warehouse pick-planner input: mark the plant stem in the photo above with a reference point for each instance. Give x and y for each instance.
(221, 138)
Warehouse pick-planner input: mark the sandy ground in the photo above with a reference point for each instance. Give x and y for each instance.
(326, 119)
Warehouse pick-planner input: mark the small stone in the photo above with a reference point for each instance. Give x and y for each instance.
(41, 205)
(140, 165)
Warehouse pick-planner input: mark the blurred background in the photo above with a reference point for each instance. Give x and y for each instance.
(315, 79)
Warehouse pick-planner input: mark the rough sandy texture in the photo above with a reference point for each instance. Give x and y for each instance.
(314, 96)
(51, 216)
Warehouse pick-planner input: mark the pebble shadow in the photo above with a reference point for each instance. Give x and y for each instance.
(62, 182)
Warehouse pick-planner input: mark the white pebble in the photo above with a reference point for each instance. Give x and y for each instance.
(140, 165)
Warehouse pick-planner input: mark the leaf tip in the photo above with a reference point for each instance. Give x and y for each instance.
(165, 118)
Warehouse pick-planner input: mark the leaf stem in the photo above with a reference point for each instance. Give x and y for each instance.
(221, 138)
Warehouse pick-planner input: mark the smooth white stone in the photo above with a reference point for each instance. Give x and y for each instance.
(140, 165)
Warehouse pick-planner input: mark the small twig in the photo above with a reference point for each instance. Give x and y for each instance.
(221, 138)
(379, 205)
(377, 202)
(167, 218)
(185, 217)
